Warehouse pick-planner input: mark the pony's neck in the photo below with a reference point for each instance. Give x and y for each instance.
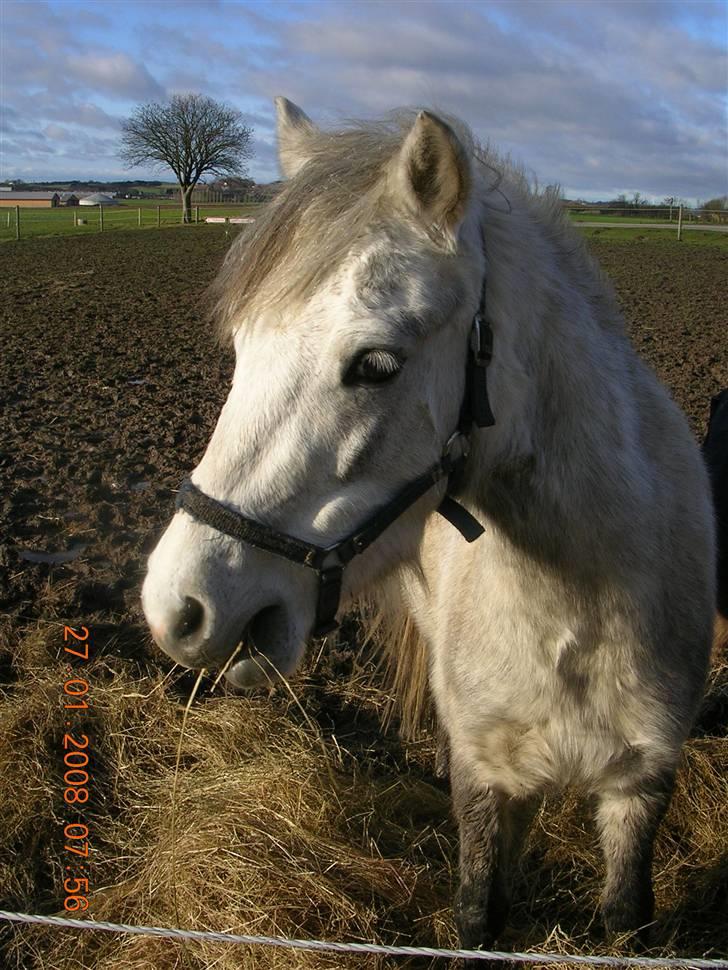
(559, 384)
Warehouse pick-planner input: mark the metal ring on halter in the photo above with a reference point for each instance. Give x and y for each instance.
(464, 439)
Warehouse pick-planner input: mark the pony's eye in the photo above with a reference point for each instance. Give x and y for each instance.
(373, 367)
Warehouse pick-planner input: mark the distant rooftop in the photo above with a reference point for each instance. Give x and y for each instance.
(98, 198)
(8, 193)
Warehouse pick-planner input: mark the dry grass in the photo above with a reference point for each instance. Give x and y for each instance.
(319, 826)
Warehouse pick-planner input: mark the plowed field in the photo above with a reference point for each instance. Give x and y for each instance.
(110, 383)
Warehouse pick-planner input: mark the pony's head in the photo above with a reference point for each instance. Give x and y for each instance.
(349, 304)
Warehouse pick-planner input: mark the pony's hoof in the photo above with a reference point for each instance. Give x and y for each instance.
(473, 929)
(627, 927)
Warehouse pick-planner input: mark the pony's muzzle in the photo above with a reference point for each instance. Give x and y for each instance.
(260, 641)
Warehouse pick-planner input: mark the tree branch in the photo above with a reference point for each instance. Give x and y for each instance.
(192, 134)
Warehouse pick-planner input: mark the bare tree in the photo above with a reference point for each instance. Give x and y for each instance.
(191, 134)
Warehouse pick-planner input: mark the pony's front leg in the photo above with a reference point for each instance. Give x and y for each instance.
(627, 827)
(492, 830)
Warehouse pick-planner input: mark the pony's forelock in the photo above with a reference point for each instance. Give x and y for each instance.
(319, 217)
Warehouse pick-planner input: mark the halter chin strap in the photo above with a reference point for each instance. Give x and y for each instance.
(329, 561)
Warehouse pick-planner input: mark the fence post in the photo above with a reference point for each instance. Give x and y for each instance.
(140, 216)
(17, 222)
(679, 224)
(101, 218)
(159, 216)
(197, 213)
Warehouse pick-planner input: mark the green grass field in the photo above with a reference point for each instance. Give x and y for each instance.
(691, 237)
(143, 213)
(615, 217)
(151, 213)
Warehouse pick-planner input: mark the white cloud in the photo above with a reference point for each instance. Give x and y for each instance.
(592, 95)
(57, 133)
(115, 74)
(554, 84)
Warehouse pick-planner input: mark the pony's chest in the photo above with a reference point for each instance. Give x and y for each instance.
(550, 706)
(521, 760)
(578, 721)
(540, 686)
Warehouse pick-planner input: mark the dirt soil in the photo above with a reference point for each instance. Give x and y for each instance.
(110, 382)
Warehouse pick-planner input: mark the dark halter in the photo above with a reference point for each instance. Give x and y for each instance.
(329, 561)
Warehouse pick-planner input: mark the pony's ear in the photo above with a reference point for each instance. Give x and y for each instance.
(433, 172)
(295, 129)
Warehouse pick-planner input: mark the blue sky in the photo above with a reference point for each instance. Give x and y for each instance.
(600, 96)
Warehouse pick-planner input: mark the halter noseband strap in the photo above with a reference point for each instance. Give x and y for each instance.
(329, 561)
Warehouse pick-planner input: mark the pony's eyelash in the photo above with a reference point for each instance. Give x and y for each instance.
(384, 361)
(373, 367)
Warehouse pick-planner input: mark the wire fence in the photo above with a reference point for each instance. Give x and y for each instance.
(374, 949)
(669, 215)
(677, 217)
(18, 222)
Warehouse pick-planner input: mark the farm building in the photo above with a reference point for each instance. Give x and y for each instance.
(98, 198)
(68, 198)
(30, 200)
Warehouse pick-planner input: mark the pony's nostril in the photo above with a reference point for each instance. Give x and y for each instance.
(189, 619)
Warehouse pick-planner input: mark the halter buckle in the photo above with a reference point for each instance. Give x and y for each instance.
(481, 341)
(481, 354)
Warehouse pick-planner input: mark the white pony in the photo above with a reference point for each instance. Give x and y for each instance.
(569, 643)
